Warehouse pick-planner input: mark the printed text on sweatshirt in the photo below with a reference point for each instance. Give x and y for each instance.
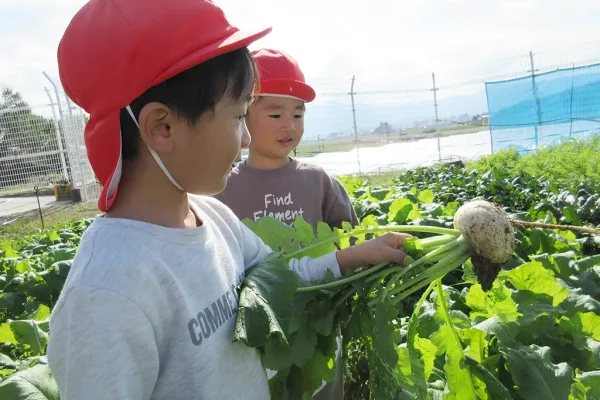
(298, 189)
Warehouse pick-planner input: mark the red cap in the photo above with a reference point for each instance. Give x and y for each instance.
(114, 50)
(281, 76)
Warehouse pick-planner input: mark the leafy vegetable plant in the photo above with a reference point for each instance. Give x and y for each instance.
(293, 322)
(526, 328)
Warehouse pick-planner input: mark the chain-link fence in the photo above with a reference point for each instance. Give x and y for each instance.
(31, 145)
(356, 124)
(372, 126)
(82, 175)
(42, 146)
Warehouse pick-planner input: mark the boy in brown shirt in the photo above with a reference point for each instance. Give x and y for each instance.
(270, 182)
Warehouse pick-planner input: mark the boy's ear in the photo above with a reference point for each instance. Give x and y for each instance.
(155, 121)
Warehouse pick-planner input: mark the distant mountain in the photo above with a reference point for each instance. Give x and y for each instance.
(325, 119)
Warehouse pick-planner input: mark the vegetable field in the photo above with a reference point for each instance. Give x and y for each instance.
(436, 329)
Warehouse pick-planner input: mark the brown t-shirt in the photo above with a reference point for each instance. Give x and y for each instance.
(297, 189)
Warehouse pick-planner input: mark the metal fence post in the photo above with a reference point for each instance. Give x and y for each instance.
(58, 137)
(64, 127)
(437, 120)
(537, 99)
(571, 101)
(352, 93)
(80, 128)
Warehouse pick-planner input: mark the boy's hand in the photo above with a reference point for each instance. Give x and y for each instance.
(383, 248)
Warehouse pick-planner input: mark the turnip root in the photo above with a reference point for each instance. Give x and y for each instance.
(487, 230)
(486, 236)
(482, 232)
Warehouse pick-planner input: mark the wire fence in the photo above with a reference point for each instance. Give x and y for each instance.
(545, 108)
(42, 147)
(30, 148)
(356, 125)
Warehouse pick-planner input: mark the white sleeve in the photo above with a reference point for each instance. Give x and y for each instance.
(307, 269)
(102, 346)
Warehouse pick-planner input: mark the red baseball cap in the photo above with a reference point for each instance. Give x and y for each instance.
(114, 50)
(280, 75)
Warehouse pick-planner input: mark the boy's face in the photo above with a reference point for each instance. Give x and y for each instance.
(200, 155)
(276, 125)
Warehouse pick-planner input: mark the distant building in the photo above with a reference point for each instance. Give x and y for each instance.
(481, 119)
(383, 128)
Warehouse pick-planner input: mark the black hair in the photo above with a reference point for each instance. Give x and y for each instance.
(193, 92)
(259, 97)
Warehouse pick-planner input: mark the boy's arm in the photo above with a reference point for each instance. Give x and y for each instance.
(307, 269)
(338, 206)
(384, 248)
(102, 346)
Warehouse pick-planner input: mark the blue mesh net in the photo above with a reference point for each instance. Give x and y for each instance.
(532, 112)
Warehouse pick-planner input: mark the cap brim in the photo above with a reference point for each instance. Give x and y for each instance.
(287, 88)
(236, 40)
(103, 143)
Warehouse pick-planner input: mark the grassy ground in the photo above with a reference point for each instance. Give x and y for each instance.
(569, 164)
(382, 179)
(309, 149)
(331, 146)
(44, 184)
(30, 222)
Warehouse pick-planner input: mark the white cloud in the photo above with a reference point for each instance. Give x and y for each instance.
(386, 43)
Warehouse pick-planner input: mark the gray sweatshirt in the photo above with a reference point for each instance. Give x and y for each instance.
(148, 312)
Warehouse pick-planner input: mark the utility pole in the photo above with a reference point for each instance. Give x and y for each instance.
(537, 98)
(437, 120)
(352, 93)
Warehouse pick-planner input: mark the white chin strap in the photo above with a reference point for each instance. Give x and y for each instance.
(155, 155)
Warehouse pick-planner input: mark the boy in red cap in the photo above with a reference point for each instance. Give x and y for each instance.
(270, 182)
(149, 307)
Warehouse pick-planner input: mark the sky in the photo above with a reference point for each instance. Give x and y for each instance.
(385, 43)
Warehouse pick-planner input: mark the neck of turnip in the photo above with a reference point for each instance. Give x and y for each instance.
(443, 251)
(445, 232)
